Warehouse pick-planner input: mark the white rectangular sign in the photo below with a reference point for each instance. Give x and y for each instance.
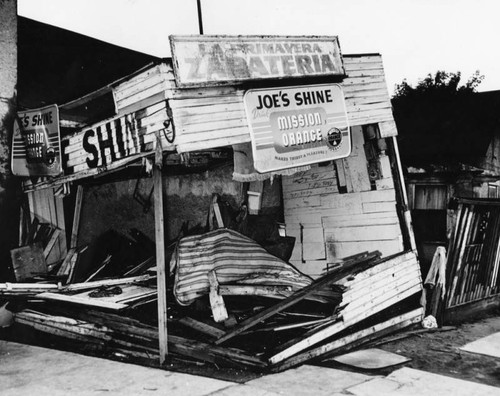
(295, 126)
(211, 60)
(36, 143)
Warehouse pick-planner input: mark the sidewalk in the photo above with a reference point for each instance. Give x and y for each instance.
(28, 370)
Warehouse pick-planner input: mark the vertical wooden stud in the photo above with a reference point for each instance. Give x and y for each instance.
(76, 217)
(160, 263)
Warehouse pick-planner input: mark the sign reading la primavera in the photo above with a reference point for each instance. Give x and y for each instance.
(208, 60)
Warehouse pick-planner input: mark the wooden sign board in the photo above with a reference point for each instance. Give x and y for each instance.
(36, 143)
(295, 126)
(213, 60)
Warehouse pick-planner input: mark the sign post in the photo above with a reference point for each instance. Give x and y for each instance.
(36, 144)
(295, 126)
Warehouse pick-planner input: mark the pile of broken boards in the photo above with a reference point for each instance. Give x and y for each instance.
(233, 304)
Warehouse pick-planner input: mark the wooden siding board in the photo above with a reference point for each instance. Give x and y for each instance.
(363, 233)
(338, 250)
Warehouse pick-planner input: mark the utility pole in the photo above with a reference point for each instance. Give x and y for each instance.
(200, 19)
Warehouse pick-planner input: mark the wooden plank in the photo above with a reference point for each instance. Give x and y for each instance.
(51, 243)
(148, 115)
(204, 139)
(61, 224)
(161, 271)
(176, 104)
(297, 297)
(373, 70)
(210, 125)
(138, 85)
(89, 302)
(357, 295)
(218, 215)
(146, 93)
(373, 207)
(330, 187)
(461, 251)
(380, 87)
(202, 327)
(363, 80)
(315, 173)
(20, 288)
(378, 196)
(164, 69)
(352, 318)
(64, 269)
(76, 216)
(302, 202)
(317, 336)
(255, 290)
(393, 324)
(338, 250)
(193, 93)
(400, 261)
(359, 219)
(354, 284)
(106, 282)
(47, 183)
(219, 311)
(187, 122)
(363, 233)
(188, 112)
(381, 302)
(342, 203)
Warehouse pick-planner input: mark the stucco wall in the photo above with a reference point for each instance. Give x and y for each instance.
(186, 198)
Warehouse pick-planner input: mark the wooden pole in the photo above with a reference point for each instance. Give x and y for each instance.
(406, 211)
(76, 217)
(160, 262)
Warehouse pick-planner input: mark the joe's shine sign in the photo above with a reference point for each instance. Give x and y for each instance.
(297, 126)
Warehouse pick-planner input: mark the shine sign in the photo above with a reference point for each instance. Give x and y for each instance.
(295, 126)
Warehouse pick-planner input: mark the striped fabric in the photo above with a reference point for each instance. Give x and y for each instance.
(235, 259)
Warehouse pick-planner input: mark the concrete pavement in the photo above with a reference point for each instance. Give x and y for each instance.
(29, 370)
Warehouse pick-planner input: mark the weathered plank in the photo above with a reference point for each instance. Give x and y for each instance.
(161, 271)
(374, 232)
(377, 330)
(337, 250)
(297, 297)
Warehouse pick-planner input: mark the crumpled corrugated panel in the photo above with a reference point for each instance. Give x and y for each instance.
(235, 259)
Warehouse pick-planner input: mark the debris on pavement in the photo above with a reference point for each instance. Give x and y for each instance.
(273, 316)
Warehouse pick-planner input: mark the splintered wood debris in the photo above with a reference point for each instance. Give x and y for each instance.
(230, 315)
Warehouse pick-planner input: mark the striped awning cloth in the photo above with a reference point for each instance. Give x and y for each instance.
(235, 259)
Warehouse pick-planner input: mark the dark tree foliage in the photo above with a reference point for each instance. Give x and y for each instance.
(441, 121)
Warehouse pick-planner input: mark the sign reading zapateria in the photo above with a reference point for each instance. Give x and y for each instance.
(205, 60)
(36, 144)
(296, 126)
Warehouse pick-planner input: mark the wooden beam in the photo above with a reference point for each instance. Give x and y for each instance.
(367, 334)
(160, 263)
(90, 302)
(202, 327)
(279, 291)
(76, 217)
(300, 295)
(219, 311)
(51, 243)
(106, 282)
